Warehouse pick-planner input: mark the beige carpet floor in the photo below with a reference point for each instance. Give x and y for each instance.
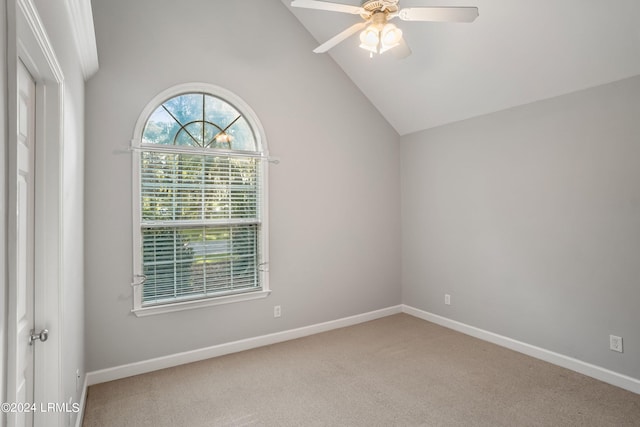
(395, 371)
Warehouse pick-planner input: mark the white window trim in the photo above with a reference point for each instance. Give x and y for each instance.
(136, 145)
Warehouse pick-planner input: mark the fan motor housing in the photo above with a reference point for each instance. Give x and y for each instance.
(373, 6)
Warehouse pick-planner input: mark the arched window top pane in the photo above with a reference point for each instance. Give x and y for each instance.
(199, 120)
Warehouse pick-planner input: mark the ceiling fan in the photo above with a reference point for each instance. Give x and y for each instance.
(378, 35)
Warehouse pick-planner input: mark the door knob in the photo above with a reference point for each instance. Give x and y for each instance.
(42, 336)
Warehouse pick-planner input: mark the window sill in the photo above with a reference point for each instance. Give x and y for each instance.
(189, 305)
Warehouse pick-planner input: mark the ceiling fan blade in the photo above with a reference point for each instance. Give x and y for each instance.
(331, 7)
(402, 50)
(439, 14)
(340, 37)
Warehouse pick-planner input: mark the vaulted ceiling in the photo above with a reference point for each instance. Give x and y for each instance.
(516, 52)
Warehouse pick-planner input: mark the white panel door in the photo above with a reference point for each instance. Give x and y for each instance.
(25, 248)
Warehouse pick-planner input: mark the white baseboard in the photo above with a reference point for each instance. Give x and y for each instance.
(137, 368)
(597, 372)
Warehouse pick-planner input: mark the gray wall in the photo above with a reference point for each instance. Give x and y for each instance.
(334, 199)
(530, 219)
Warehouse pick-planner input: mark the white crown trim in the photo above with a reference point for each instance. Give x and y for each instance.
(81, 17)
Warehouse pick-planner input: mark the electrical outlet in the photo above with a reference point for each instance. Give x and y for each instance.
(447, 299)
(615, 343)
(277, 312)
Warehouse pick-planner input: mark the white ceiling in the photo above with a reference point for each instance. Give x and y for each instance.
(516, 52)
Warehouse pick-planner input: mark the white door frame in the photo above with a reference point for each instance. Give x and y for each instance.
(28, 42)
(3, 209)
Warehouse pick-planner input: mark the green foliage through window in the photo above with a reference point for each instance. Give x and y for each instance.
(199, 120)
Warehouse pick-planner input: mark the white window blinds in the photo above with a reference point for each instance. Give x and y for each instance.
(200, 225)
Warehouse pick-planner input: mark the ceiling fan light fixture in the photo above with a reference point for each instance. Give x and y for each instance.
(391, 36)
(376, 40)
(369, 39)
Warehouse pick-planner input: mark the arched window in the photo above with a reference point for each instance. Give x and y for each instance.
(200, 234)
